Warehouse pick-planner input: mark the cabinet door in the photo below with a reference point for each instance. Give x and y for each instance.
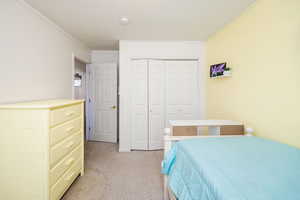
(139, 99)
(156, 103)
(182, 91)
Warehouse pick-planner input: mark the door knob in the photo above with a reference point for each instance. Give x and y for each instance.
(114, 107)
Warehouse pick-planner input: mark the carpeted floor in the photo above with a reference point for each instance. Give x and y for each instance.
(110, 175)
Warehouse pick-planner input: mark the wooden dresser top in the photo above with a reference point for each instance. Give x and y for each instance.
(44, 104)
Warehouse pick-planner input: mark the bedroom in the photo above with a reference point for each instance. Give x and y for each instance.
(60, 49)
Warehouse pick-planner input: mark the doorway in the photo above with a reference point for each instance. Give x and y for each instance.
(79, 86)
(103, 101)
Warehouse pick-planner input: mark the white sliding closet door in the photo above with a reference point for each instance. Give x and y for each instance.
(161, 91)
(182, 91)
(139, 137)
(156, 103)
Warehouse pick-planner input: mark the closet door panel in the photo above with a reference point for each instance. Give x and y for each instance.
(139, 99)
(181, 90)
(156, 103)
(162, 91)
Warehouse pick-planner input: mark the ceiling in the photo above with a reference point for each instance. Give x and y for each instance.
(97, 22)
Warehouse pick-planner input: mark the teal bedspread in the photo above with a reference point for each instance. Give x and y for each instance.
(235, 168)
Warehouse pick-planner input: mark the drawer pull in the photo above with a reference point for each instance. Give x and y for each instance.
(70, 129)
(70, 177)
(69, 145)
(69, 114)
(69, 162)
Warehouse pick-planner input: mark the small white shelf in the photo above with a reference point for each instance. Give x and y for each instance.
(204, 123)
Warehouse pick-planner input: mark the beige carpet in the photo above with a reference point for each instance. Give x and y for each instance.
(110, 175)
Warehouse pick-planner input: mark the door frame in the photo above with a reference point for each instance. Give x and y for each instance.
(90, 99)
(87, 110)
(142, 49)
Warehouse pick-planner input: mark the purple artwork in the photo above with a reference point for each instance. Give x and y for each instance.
(217, 70)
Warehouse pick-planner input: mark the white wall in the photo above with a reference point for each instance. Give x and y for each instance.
(35, 55)
(154, 50)
(104, 57)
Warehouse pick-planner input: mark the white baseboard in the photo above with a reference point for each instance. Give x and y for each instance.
(124, 150)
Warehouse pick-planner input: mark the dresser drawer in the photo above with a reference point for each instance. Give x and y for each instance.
(62, 131)
(58, 189)
(65, 164)
(58, 151)
(63, 114)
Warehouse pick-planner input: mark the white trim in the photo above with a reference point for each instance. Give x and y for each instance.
(89, 105)
(124, 150)
(72, 75)
(87, 111)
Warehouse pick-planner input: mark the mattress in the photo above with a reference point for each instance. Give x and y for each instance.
(235, 168)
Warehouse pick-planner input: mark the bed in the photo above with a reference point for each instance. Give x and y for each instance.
(230, 168)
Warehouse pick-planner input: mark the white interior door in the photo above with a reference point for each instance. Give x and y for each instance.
(156, 103)
(139, 126)
(182, 91)
(104, 102)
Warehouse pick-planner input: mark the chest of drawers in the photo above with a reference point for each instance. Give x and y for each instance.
(41, 148)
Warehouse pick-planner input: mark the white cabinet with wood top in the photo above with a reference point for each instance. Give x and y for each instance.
(41, 148)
